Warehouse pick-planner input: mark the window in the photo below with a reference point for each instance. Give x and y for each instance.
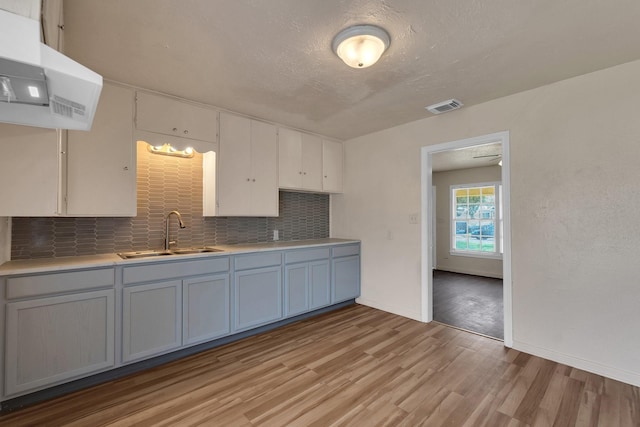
(476, 223)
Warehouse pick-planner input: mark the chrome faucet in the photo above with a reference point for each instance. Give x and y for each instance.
(168, 243)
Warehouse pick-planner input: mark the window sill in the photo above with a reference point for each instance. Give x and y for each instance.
(476, 255)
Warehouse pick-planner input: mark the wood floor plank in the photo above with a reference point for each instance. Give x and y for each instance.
(354, 367)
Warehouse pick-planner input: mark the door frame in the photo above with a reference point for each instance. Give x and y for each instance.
(427, 238)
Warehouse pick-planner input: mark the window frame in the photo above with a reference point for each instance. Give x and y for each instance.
(498, 221)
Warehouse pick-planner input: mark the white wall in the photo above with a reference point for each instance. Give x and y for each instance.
(575, 148)
(456, 263)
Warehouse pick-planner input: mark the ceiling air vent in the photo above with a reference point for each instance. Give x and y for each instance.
(443, 107)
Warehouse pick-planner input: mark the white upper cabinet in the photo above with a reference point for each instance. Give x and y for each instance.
(247, 172)
(101, 163)
(74, 173)
(332, 166)
(30, 167)
(169, 116)
(308, 162)
(299, 160)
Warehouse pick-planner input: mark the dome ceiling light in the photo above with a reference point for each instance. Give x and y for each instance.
(361, 46)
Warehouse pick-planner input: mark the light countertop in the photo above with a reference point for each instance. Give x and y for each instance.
(42, 265)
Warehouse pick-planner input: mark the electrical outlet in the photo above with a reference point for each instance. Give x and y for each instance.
(389, 235)
(276, 235)
(413, 218)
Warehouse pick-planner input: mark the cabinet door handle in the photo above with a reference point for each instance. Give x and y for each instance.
(254, 180)
(126, 168)
(175, 129)
(325, 176)
(304, 173)
(248, 179)
(186, 131)
(300, 173)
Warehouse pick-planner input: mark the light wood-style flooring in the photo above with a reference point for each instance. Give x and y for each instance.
(355, 367)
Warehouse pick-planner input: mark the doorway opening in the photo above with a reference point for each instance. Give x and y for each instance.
(477, 228)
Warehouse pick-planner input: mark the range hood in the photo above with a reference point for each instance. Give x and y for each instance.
(39, 86)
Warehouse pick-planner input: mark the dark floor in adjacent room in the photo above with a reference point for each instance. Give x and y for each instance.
(469, 302)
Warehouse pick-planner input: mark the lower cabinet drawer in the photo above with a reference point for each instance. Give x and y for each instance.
(55, 283)
(57, 339)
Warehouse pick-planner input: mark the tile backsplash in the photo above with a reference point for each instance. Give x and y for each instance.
(165, 184)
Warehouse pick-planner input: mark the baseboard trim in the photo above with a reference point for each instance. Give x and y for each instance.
(622, 375)
(400, 311)
(470, 272)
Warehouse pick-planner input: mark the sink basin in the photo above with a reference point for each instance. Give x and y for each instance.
(194, 251)
(148, 254)
(143, 254)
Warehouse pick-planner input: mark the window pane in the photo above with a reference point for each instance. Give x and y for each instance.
(474, 228)
(487, 212)
(487, 229)
(474, 243)
(461, 227)
(488, 245)
(461, 242)
(490, 198)
(474, 211)
(461, 212)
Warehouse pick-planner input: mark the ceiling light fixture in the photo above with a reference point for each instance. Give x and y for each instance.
(361, 46)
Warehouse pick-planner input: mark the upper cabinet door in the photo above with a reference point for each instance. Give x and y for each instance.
(264, 169)
(332, 166)
(311, 162)
(29, 171)
(101, 163)
(234, 166)
(168, 116)
(289, 158)
(247, 176)
(299, 160)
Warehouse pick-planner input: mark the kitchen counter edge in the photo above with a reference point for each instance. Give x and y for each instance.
(47, 265)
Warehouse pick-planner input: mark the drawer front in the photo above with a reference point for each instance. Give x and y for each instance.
(346, 250)
(46, 284)
(306, 255)
(269, 259)
(172, 270)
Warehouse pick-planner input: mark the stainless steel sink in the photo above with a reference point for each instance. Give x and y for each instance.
(194, 251)
(149, 254)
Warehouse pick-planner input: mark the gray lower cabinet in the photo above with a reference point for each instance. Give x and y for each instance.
(319, 284)
(55, 339)
(257, 290)
(205, 308)
(151, 319)
(61, 326)
(296, 289)
(166, 306)
(307, 286)
(345, 268)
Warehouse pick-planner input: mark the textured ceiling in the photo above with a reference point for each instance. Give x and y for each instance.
(466, 158)
(272, 59)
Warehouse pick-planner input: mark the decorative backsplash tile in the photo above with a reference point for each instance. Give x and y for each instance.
(165, 184)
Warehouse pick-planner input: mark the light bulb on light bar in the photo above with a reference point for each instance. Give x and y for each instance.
(34, 92)
(361, 46)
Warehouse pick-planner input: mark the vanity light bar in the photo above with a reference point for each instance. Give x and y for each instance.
(168, 150)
